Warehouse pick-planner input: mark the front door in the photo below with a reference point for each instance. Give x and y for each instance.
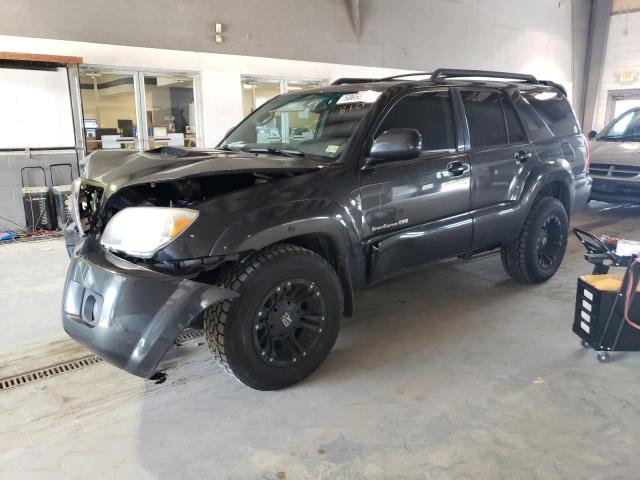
(416, 211)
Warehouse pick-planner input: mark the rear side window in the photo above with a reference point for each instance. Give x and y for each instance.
(514, 127)
(429, 113)
(485, 118)
(554, 109)
(537, 128)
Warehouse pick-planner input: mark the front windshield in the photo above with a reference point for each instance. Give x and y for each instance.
(314, 125)
(626, 127)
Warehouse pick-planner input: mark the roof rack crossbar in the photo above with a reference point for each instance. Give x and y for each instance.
(443, 73)
(349, 80)
(402, 75)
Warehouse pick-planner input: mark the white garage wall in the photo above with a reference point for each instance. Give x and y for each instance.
(412, 34)
(623, 54)
(496, 35)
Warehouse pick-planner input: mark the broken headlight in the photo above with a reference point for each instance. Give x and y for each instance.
(142, 231)
(85, 203)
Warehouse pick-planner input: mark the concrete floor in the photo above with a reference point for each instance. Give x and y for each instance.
(450, 372)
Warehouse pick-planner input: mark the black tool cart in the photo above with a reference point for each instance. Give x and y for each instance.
(606, 316)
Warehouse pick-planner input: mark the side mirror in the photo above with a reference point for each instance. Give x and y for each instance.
(592, 134)
(395, 144)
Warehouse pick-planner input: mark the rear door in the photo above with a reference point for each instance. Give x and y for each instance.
(500, 156)
(416, 211)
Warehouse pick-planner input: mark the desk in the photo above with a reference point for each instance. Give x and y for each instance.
(111, 143)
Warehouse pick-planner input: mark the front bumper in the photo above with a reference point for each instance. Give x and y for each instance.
(126, 314)
(615, 190)
(582, 189)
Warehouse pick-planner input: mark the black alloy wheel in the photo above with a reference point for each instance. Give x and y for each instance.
(535, 255)
(550, 241)
(284, 322)
(289, 323)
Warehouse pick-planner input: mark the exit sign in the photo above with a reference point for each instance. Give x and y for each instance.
(627, 76)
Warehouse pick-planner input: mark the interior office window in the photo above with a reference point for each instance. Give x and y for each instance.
(430, 113)
(256, 90)
(555, 110)
(485, 118)
(514, 127)
(109, 110)
(170, 110)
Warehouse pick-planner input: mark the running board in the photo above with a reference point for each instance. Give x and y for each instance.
(479, 255)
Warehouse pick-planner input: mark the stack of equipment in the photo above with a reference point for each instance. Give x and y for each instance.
(62, 192)
(38, 207)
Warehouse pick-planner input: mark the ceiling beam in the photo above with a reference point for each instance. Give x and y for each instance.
(353, 10)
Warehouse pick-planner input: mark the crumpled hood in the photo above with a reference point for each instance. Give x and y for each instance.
(118, 169)
(620, 153)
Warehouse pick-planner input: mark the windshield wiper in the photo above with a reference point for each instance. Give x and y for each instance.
(285, 152)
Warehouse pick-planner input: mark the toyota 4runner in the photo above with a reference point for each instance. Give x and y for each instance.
(264, 239)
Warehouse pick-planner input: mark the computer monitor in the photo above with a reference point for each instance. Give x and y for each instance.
(126, 127)
(105, 131)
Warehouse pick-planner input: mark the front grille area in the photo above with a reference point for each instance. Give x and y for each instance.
(614, 171)
(87, 202)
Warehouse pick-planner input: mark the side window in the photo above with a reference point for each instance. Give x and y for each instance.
(514, 127)
(555, 110)
(430, 113)
(485, 118)
(537, 128)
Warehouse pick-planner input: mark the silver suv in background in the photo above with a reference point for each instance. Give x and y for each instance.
(615, 160)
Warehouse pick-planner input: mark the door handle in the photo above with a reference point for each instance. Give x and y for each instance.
(457, 168)
(522, 156)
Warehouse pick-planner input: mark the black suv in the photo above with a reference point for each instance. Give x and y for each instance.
(314, 195)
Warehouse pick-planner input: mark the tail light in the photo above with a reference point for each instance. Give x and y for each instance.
(588, 161)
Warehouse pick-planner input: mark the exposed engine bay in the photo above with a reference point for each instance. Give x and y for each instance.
(171, 193)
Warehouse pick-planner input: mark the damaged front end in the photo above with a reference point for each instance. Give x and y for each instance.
(142, 268)
(127, 314)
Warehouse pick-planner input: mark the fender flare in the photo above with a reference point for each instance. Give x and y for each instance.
(543, 175)
(256, 231)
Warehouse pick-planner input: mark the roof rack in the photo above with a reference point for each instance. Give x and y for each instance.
(349, 80)
(555, 85)
(402, 75)
(444, 73)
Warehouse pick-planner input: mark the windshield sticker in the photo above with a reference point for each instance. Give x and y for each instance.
(332, 149)
(366, 96)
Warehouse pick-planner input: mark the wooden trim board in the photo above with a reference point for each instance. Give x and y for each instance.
(39, 57)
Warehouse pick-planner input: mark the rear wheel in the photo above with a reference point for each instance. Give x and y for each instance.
(285, 322)
(536, 254)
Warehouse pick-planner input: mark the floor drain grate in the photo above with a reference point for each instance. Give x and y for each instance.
(47, 372)
(189, 334)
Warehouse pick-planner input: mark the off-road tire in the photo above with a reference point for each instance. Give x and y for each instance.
(519, 257)
(228, 324)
